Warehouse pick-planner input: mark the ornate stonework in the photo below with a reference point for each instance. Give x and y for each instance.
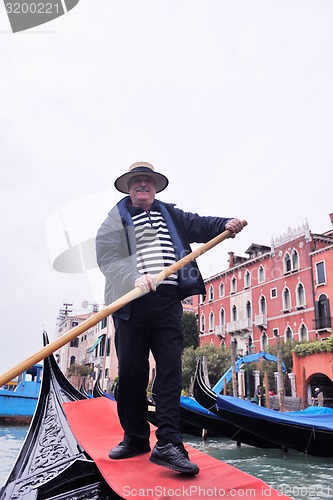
(292, 234)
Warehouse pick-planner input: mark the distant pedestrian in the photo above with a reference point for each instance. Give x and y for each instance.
(258, 394)
(319, 396)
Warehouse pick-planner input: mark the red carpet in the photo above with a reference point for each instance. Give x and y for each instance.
(95, 425)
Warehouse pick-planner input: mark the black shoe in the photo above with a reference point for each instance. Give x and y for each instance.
(175, 457)
(123, 450)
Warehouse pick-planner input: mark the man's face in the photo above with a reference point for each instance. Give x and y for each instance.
(142, 190)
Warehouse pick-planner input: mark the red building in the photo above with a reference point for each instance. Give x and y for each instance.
(314, 371)
(279, 290)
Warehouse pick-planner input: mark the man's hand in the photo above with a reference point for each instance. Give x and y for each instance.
(146, 282)
(234, 226)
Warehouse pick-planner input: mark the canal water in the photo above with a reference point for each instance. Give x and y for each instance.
(294, 474)
(11, 440)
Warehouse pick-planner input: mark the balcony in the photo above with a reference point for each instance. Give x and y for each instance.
(96, 361)
(220, 331)
(242, 325)
(231, 327)
(260, 320)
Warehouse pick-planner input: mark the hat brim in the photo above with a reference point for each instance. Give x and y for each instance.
(121, 184)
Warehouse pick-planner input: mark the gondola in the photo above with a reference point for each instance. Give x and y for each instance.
(195, 418)
(228, 428)
(97, 390)
(51, 463)
(83, 389)
(309, 431)
(64, 456)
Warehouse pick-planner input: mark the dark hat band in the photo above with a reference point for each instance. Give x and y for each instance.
(142, 169)
(161, 182)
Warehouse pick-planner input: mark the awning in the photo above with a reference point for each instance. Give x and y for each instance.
(93, 347)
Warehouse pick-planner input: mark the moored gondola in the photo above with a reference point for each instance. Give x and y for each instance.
(207, 398)
(83, 389)
(97, 390)
(309, 431)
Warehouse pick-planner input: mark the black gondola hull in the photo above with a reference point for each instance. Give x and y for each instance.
(230, 429)
(307, 437)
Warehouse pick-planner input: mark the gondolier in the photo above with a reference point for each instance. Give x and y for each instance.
(139, 238)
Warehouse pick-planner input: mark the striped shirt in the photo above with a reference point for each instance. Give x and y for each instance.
(154, 247)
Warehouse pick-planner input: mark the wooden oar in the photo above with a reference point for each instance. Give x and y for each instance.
(111, 308)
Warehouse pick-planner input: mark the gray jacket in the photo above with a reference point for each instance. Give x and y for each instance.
(116, 248)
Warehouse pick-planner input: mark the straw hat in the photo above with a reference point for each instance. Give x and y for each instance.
(141, 168)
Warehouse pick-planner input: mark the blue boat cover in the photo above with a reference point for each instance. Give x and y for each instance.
(312, 417)
(315, 410)
(191, 404)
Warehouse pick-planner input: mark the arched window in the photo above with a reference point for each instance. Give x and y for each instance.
(288, 334)
(202, 323)
(211, 320)
(248, 310)
(233, 285)
(323, 318)
(323, 305)
(247, 279)
(72, 360)
(234, 313)
(263, 340)
(211, 292)
(287, 263)
(300, 295)
(261, 274)
(221, 289)
(286, 300)
(262, 305)
(222, 317)
(294, 260)
(303, 333)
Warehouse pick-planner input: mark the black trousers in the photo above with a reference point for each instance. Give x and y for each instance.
(155, 324)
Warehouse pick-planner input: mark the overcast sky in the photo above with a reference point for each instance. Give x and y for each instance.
(231, 100)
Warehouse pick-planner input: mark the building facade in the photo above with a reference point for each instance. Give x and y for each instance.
(94, 349)
(282, 290)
